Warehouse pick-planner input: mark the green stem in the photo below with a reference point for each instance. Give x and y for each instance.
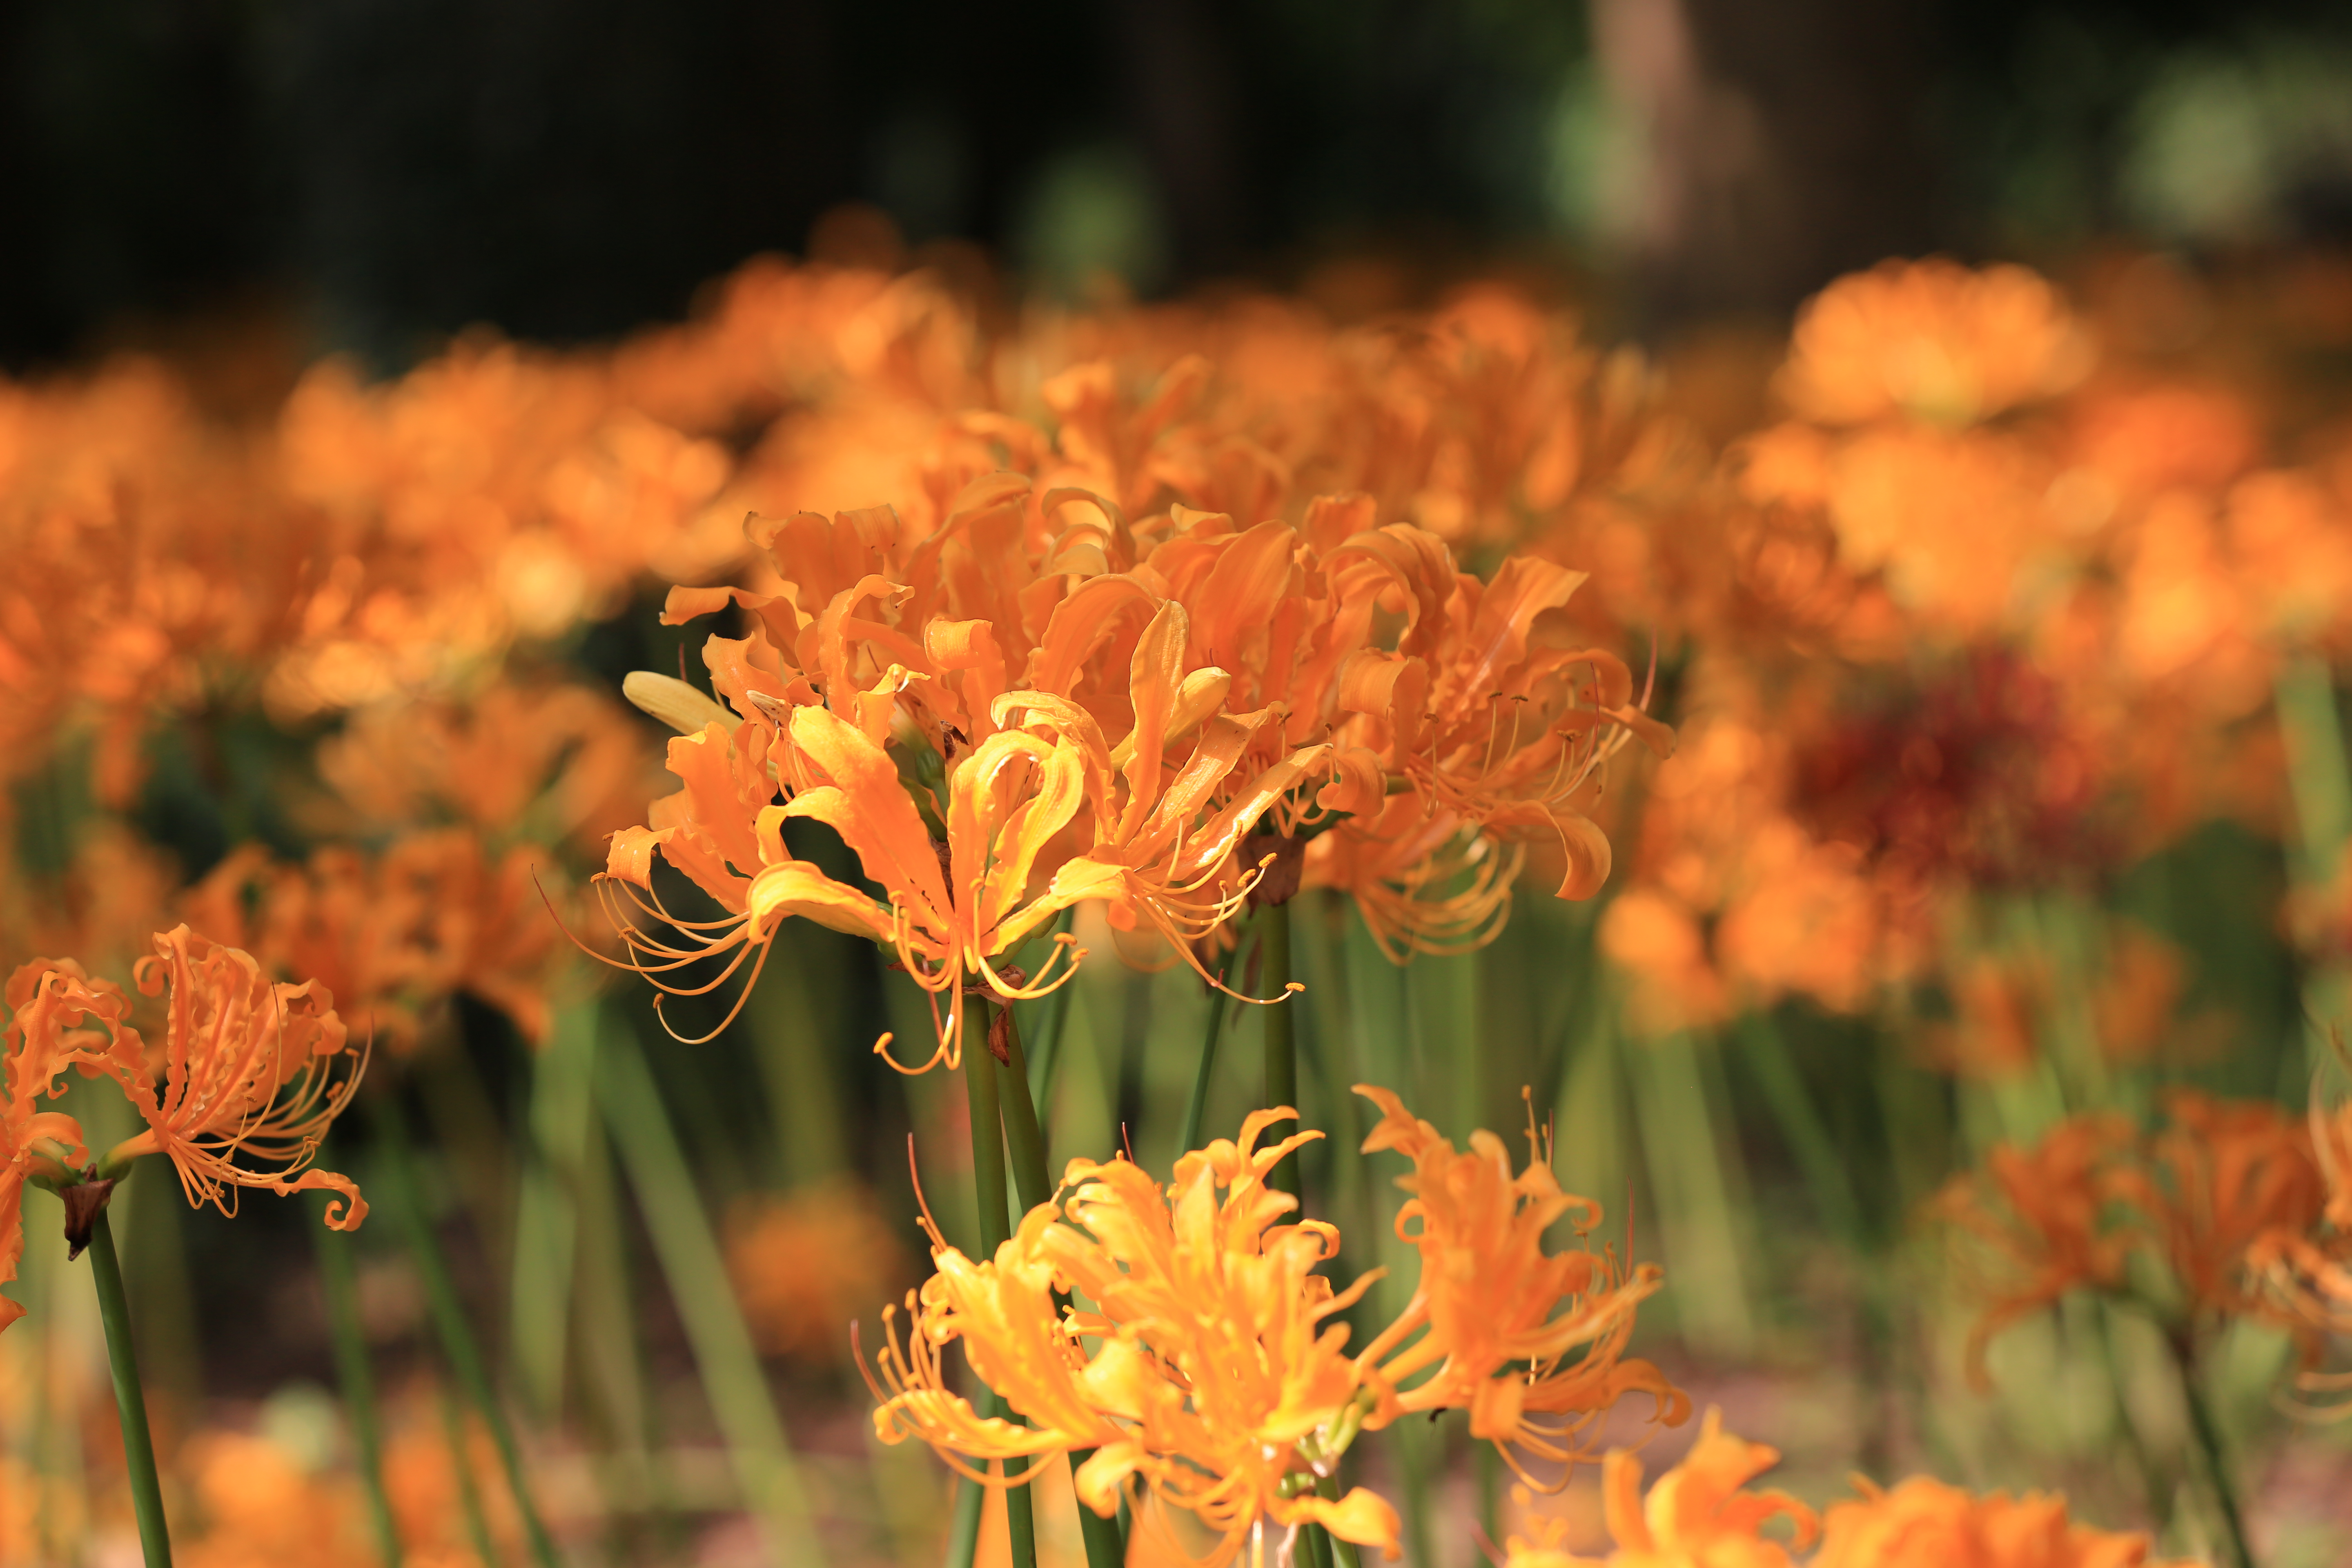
(979, 1083)
(696, 1272)
(963, 1530)
(1052, 1016)
(2208, 1433)
(1343, 1551)
(1196, 1104)
(1314, 1546)
(1281, 1042)
(1809, 1139)
(2320, 783)
(130, 1400)
(338, 1284)
(470, 1495)
(1030, 1181)
(455, 1334)
(547, 1208)
(2158, 1485)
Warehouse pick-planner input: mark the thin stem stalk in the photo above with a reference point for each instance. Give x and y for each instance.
(130, 1399)
(469, 1493)
(2208, 1434)
(1196, 1104)
(455, 1334)
(694, 1270)
(1281, 1040)
(338, 1283)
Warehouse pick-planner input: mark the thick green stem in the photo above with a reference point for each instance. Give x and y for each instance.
(130, 1400)
(1030, 1181)
(1343, 1553)
(1314, 1546)
(1281, 1040)
(2208, 1433)
(455, 1334)
(980, 1098)
(338, 1283)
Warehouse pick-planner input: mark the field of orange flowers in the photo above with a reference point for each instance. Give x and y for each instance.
(879, 928)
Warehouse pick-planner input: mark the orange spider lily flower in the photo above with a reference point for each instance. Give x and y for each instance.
(2221, 1176)
(1700, 1514)
(1424, 881)
(2042, 1218)
(1486, 709)
(551, 760)
(2309, 1273)
(59, 1016)
(247, 1069)
(1491, 1299)
(394, 935)
(1215, 1382)
(1932, 341)
(1926, 1520)
(991, 865)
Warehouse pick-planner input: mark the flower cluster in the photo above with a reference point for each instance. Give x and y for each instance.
(2229, 1202)
(1042, 703)
(1702, 1515)
(1199, 1359)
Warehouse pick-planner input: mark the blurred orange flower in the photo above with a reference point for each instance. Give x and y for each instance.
(1502, 1315)
(2040, 1218)
(805, 1263)
(1932, 341)
(1925, 1521)
(2219, 1176)
(1700, 1514)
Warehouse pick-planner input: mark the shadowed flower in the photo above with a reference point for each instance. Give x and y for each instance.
(1502, 1315)
(394, 935)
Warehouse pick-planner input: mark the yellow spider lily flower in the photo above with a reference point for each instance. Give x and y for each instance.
(1215, 1382)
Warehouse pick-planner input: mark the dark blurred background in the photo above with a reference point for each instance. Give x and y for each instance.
(383, 172)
